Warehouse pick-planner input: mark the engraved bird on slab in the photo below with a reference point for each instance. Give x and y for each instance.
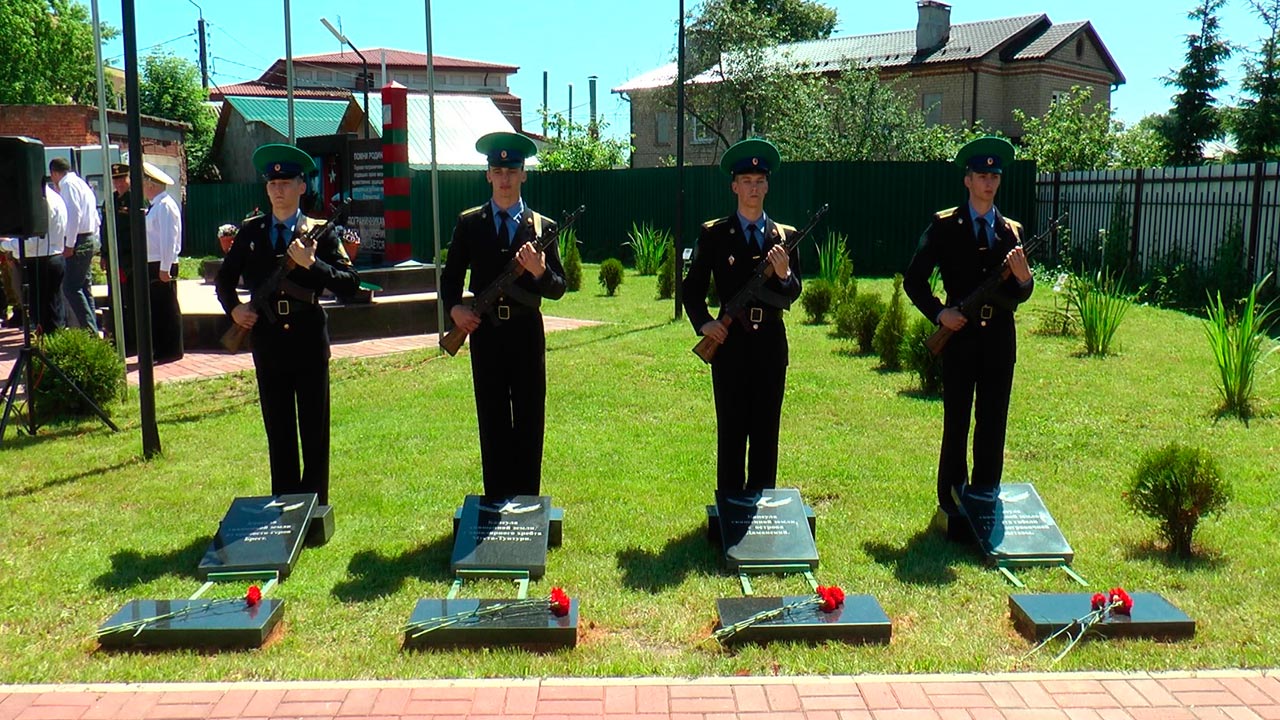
(763, 501)
(511, 508)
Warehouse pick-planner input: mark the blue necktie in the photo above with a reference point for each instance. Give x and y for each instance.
(282, 232)
(504, 234)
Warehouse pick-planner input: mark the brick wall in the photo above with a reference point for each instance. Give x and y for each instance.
(76, 125)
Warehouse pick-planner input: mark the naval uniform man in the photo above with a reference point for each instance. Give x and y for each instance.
(969, 244)
(749, 371)
(508, 345)
(291, 344)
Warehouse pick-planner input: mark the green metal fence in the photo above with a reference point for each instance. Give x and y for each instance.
(881, 207)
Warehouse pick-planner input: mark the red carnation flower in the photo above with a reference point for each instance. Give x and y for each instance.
(253, 596)
(830, 598)
(1099, 601)
(1118, 595)
(559, 602)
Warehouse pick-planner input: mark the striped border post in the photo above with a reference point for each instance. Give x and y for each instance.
(395, 172)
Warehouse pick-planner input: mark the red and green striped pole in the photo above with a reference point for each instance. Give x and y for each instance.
(395, 172)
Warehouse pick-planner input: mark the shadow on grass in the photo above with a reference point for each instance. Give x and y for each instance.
(58, 482)
(916, 393)
(15, 433)
(166, 416)
(558, 347)
(374, 575)
(926, 559)
(130, 568)
(851, 351)
(653, 572)
(1202, 560)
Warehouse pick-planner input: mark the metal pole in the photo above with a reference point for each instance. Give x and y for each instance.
(545, 110)
(288, 69)
(204, 57)
(138, 239)
(435, 171)
(109, 216)
(679, 248)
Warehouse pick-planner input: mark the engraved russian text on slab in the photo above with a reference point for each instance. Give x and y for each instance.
(507, 534)
(768, 528)
(260, 533)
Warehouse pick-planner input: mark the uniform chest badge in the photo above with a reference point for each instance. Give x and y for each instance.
(730, 261)
(250, 246)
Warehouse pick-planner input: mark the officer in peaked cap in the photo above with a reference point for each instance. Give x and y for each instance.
(749, 371)
(123, 246)
(968, 245)
(290, 337)
(508, 346)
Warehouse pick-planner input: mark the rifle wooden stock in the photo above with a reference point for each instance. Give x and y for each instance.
(938, 339)
(233, 338)
(451, 341)
(707, 346)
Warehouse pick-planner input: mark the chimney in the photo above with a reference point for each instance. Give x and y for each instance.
(934, 27)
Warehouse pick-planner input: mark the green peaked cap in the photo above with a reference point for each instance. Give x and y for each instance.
(986, 154)
(506, 149)
(278, 160)
(750, 156)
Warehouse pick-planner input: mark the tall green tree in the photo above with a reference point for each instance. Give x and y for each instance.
(1071, 135)
(170, 88)
(571, 146)
(1256, 122)
(1195, 118)
(46, 52)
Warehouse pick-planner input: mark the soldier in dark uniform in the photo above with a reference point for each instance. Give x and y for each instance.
(968, 244)
(508, 347)
(749, 371)
(291, 344)
(120, 201)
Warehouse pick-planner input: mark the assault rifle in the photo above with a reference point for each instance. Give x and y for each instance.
(707, 346)
(260, 301)
(452, 340)
(979, 297)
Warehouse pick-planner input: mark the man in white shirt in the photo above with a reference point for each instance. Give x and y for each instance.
(44, 266)
(82, 230)
(164, 241)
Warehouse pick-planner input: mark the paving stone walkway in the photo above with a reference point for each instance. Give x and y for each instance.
(1229, 695)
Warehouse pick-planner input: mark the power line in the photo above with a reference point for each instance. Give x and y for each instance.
(152, 47)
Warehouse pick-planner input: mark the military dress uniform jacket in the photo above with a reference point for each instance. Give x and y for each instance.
(950, 244)
(475, 244)
(301, 330)
(725, 253)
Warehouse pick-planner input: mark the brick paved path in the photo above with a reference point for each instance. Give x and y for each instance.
(1228, 695)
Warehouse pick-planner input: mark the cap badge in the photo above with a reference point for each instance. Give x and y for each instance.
(730, 260)
(755, 161)
(991, 161)
(277, 167)
(503, 155)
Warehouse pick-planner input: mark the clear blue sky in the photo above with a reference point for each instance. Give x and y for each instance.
(615, 40)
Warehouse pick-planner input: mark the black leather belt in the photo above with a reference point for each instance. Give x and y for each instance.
(509, 310)
(757, 315)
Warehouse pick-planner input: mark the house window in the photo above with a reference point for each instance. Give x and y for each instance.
(401, 77)
(304, 75)
(662, 128)
(931, 106)
(1057, 95)
(324, 76)
(701, 134)
(1080, 47)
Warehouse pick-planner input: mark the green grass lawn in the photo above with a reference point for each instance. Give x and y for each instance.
(86, 525)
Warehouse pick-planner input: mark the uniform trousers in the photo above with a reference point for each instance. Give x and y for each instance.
(166, 316)
(748, 412)
(295, 404)
(977, 364)
(77, 283)
(509, 371)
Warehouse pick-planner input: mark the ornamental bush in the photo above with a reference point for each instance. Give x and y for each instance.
(667, 274)
(918, 359)
(892, 327)
(861, 319)
(817, 298)
(88, 361)
(572, 261)
(1176, 486)
(610, 277)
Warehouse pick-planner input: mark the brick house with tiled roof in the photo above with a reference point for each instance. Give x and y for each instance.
(958, 74)
(337, 76)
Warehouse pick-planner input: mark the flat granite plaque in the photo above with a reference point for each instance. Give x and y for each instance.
(713, 523)
(1017, 528)
(532, 627)
(510, 534)
(1038, 616)
(859, 620)
(556, 526)
(766, 528)
(260, 533)
(199, 623)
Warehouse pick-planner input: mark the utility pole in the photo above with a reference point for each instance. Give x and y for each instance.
(204, 52)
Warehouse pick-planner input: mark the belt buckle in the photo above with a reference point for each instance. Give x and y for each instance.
(986, 312)
(282, 307)
(757, 314)
(504, 312)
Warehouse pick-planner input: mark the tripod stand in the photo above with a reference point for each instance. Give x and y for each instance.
(26, 355)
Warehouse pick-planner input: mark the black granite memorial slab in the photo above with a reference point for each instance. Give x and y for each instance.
(767, 528)
(1038, 616)
(196, 623)
(859, 620)
(555, 526)
(527, 627)
(260, 533)
(1017, 529)
(510, 534)
(320, 531)
(713, 523)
